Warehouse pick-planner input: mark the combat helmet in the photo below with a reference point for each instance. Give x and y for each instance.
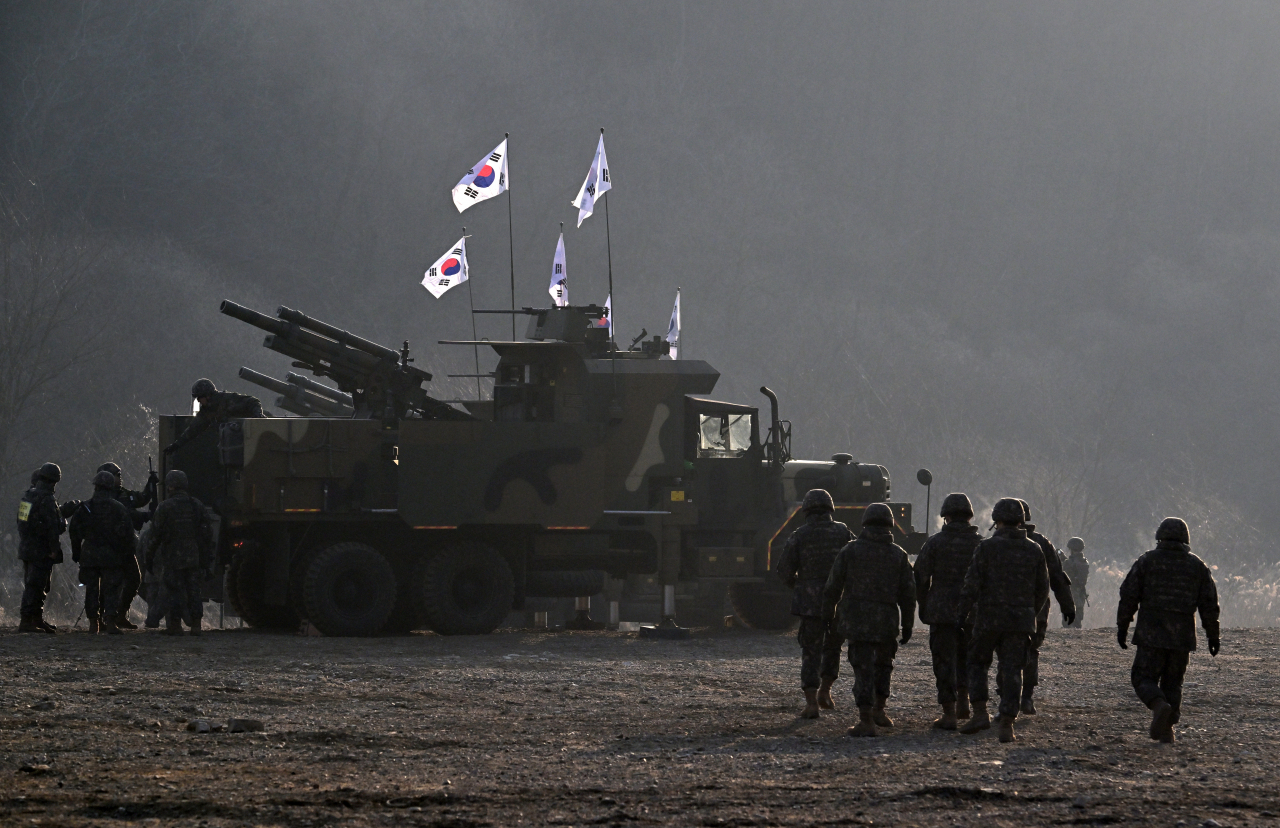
(104, 480)
(1075, 545)
(110, 467)
(956, 504)
(878, 514)
(1026, 510)
(203, 388)
(1007, 510)
(176, 480)
(1173, 529)
(50, 472)
(817, 501)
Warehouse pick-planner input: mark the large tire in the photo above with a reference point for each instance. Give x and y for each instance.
(569, 583)
(349, 589)
(466, 590)
(762, 606)
(248, 572)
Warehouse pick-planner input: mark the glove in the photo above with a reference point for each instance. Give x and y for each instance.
(1214, 645)
(1122, 633)
(1069, 618)
(906, 635)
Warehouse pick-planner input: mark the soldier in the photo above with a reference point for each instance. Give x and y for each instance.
(40, 523)
(1060, 584)
(215, 407)
(940, 569)
(1169, 584)
(180, 542)
(135, 502)
(805, 563)
(873, 583)
(1008, 581)
(1076, 568)
(102, 540)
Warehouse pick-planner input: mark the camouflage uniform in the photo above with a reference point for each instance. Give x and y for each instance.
(804, 566)
(135, 502)
(1076, 568)
(181, 543)
(1166, 587)
(1008, 581)
(940, 569)
(221, 407)
(874, 585)
(102, 540)
(1060, 584)
(40, 523)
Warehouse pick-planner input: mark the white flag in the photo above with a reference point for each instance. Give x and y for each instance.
(673, 329)
(450, 270)
(596, 185)
(485, 180)
(559, 289)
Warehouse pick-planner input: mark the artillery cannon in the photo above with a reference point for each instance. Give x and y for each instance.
(297, 399)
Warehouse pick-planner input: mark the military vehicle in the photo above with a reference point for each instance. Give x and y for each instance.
(383, 509)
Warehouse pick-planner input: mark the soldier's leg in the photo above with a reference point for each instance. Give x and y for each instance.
(1013, 650)
(131, 581)
(978, 664)
(885, 652)
(1031, 670)
(944, 643)
(832, 641)
(862, 657)
(1148, 666)
(112, 580)
(193, 580)
(1175, 669)
(175, 599)
(90, 577)
(36, 576)
(810, 636)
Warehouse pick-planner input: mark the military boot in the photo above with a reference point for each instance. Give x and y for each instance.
(948, 718)
(196, 631)
(962, 705)
(1028, 707)
(979, 721)
(123, 622)
(110, 628)
(28, 624)
(879, 716)
(1161, 721)
(1004, 728)
(93, 626)
(866, 725)
(44, 625)
(172, 629)
(810, 704)
(824, 695)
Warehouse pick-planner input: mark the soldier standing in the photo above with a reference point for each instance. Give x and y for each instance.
(215, 407)
(40, 523)
(102, 540)
(1076, 567)
(940, 569)
(180, 542)
(875, 587)
(135, 502)
(1166, 587)
(804, 566)
(1060, 584)
(1008, 581)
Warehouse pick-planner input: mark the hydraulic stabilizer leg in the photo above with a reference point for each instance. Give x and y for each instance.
(667, 627)
(582, 616)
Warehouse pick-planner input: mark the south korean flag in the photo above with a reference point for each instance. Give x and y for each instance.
(483, 181)
(596, 184)
(673, 328)
(559, 289)
(450, 270)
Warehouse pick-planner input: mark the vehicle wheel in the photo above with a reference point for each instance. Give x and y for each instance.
(349, 589)
(248, 571)
(762, 606)
(466, 590)
(571, 583)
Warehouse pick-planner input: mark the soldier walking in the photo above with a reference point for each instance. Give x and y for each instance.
(135, 502)
(804, 566)
(1060, 584)
(1076, 566)
(102, 540)
(181, 542)
(40, 523)
(1008, 581)
(215, 407)
(873, 583)
(940, 569)
(1166, 587)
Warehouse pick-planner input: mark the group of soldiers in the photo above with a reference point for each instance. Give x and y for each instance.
(175, 550)
(984, 600)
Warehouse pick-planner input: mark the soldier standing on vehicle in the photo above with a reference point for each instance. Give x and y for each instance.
(40, 523)
(1008, 581)
(135, 502)
(102, 540)
(215, 407)
(1076, 567)
(940, 569)
(873, 583)
(1166, 587)
(180, 541)
(1060, 584)
(804, 566)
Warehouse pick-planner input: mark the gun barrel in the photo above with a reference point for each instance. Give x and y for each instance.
(311, 403)
(318, 388)
(338, 335)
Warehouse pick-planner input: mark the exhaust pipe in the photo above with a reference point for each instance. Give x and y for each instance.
(775, 427)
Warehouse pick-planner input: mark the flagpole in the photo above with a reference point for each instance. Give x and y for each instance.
(511, 245)
(615, 409)
(474, 337)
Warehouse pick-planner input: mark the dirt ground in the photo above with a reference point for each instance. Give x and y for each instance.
(536, 728)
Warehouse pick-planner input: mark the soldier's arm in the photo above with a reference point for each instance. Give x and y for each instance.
(245, 405)
(1042, 585)
(973, 580)
(53, 522)
(1207, 604)
(153, 537)
(788, 561)
(923, 572)
(76, 534)
(1130, 594)
(198, 426)
(835, 583)
(1059, 582)
(907, 596)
